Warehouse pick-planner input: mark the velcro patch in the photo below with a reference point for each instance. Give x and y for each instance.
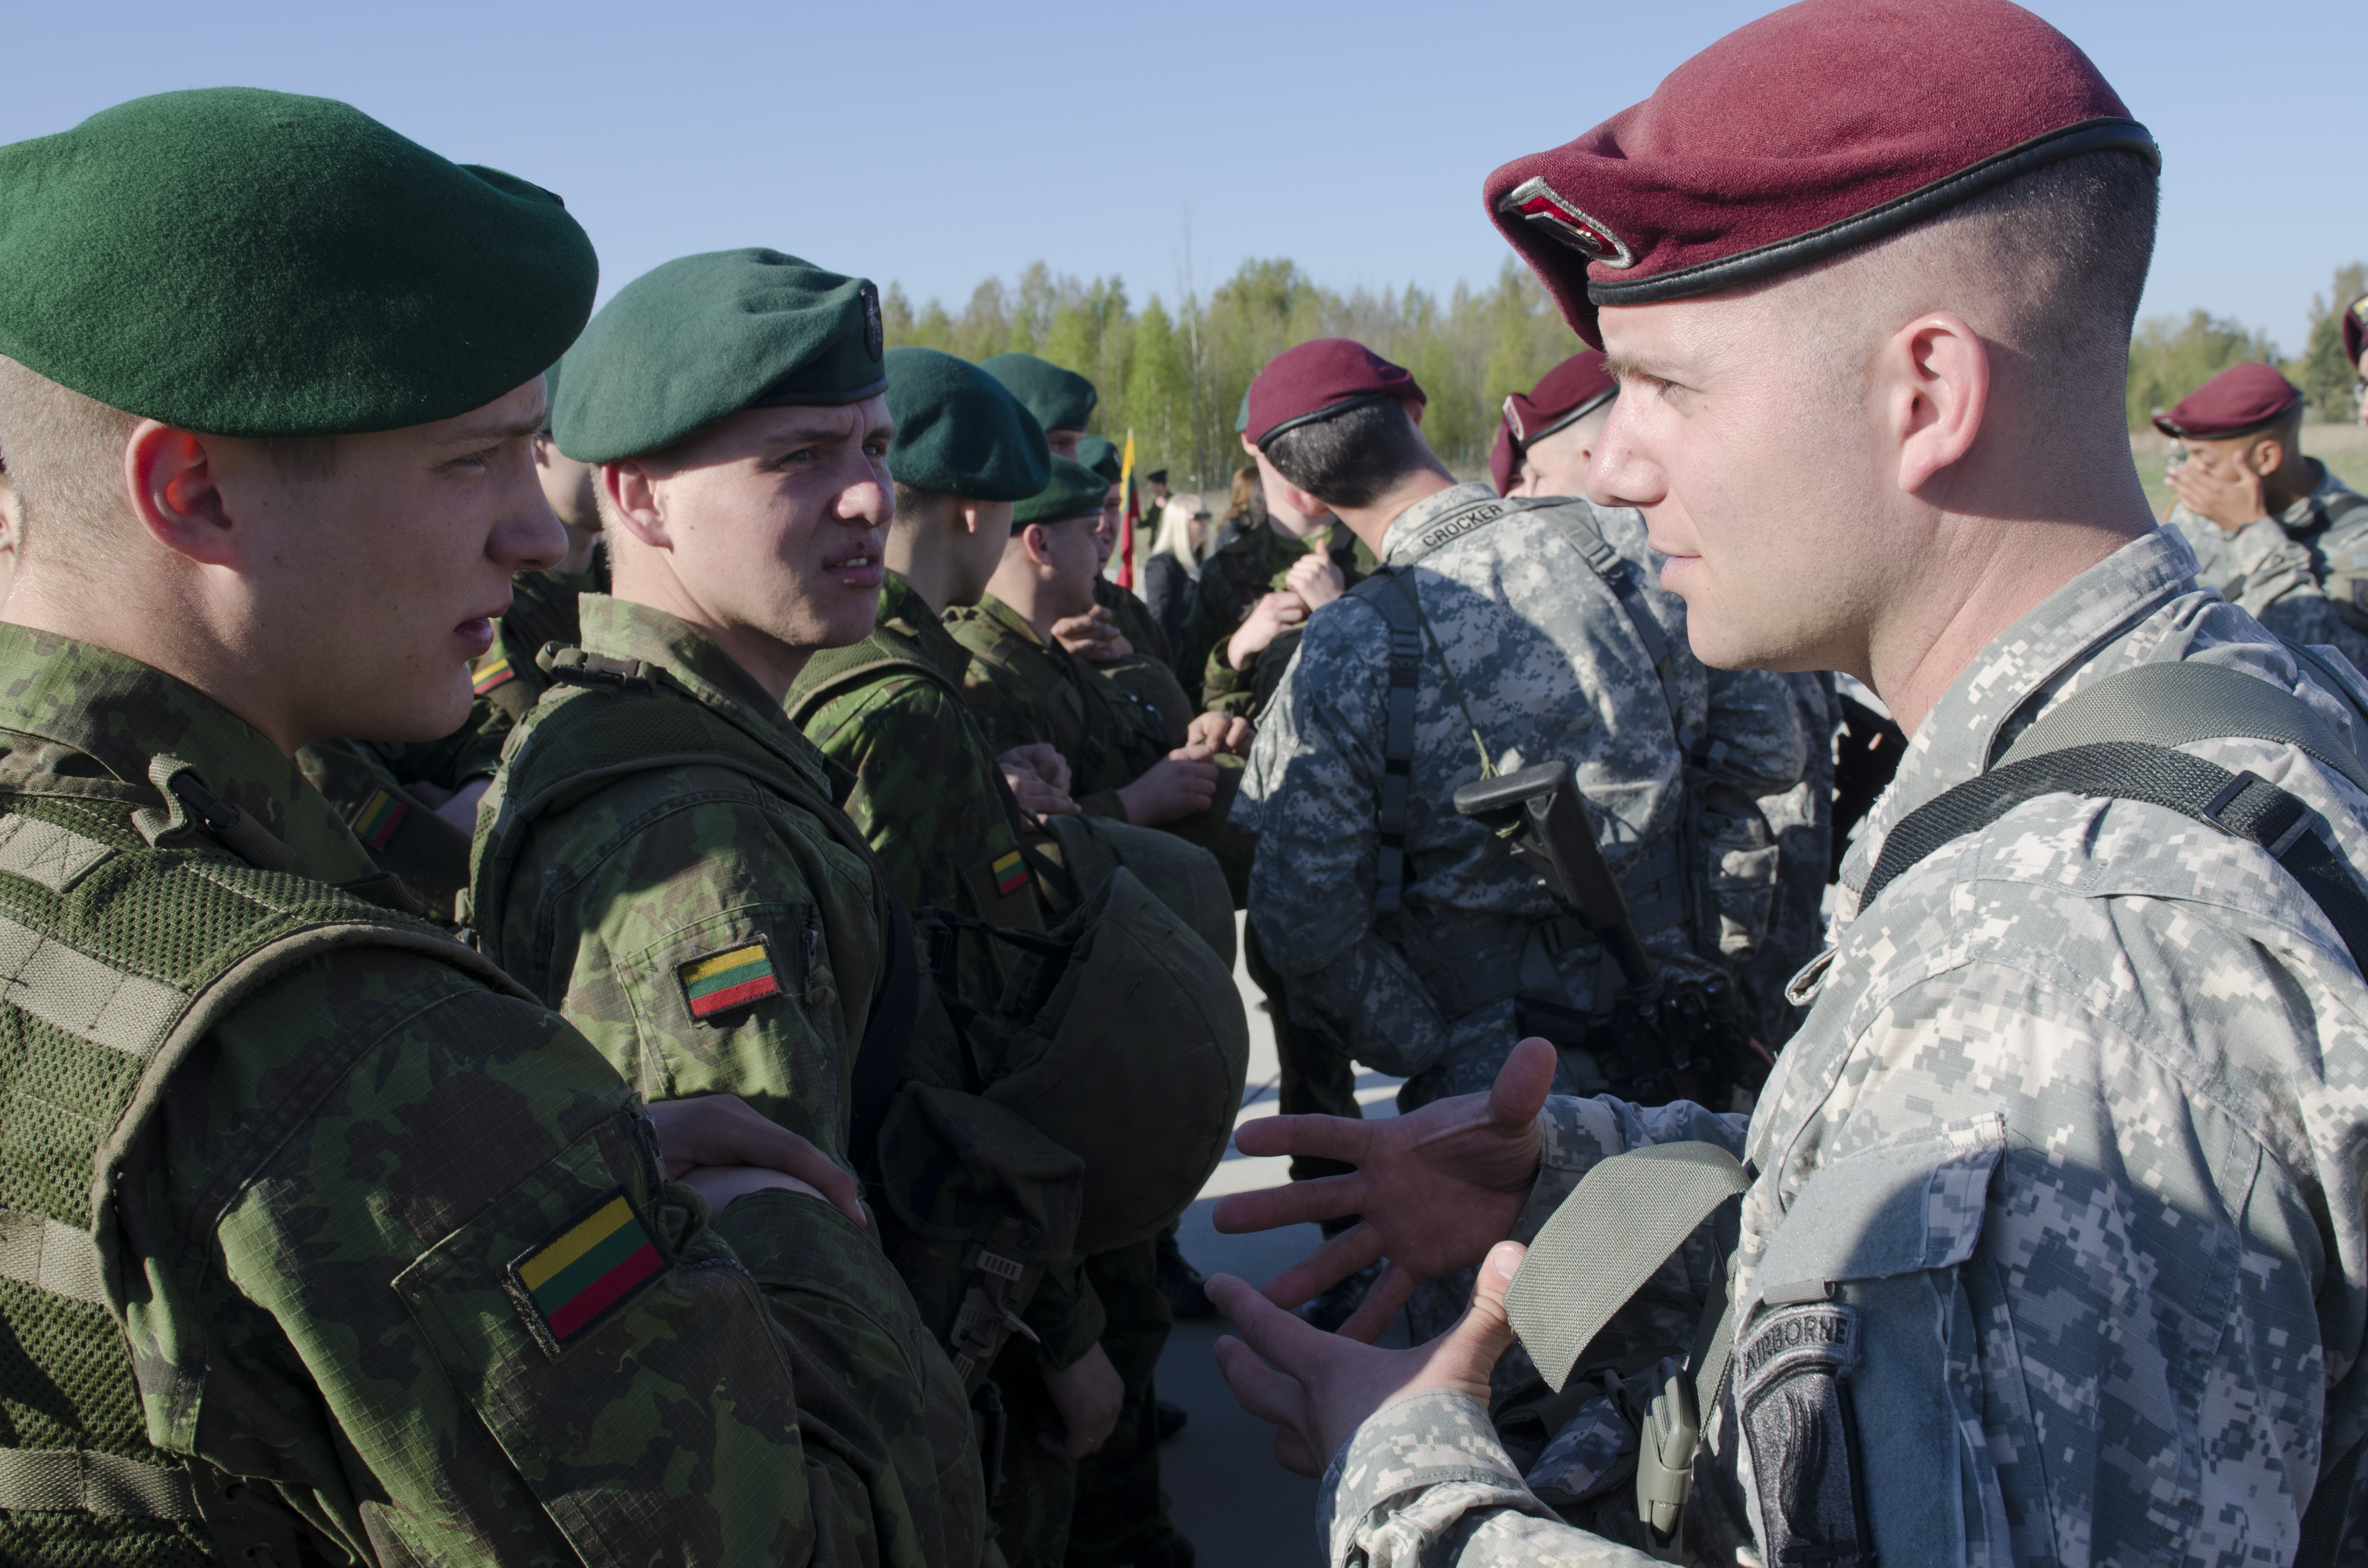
(380, 816)
(492, 671)
(1792, 1400)
(717, 983)
(1011, 873)
(594, 1265)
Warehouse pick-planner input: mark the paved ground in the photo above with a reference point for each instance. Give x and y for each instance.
(1240, 1508)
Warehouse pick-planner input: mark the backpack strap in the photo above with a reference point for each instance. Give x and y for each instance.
(1619, 575)
(2163, 706)
(834, 671)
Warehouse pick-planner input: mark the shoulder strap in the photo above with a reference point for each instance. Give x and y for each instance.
(2061, 755)
(836, 671)
(1619, 575)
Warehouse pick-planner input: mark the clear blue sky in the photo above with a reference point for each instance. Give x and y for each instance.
(936, 144)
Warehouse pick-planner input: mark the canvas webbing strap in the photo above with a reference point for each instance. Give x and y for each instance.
(1619, 575)
(1626, 1217)
(2322, 1522)
(38, 1251)
(58, 1481)
(2177, 704)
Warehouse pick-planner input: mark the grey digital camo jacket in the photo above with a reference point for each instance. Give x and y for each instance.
(1541, 652)
(2075, 1125)
(2298, 571)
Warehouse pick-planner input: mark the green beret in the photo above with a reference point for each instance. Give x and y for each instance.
(257, 263)
(706, 335)
(1100, 454)
(1061, 400)
(550, 392)
(1076, 491)
(1242, 420)
(958, 431)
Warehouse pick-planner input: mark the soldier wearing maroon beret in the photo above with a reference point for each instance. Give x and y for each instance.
(1547, 433)
(2274, 531)
(2052, 1244)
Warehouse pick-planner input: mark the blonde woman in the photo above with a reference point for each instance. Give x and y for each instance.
(1173, 571)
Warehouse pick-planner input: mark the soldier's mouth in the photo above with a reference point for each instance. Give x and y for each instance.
(862, 569)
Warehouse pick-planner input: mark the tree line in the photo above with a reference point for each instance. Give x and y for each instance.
(1177, 376)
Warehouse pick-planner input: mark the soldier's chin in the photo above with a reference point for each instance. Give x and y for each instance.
(429, 712)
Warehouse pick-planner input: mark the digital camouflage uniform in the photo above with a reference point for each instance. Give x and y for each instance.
(322, 1273)
(1802, 821)
(930, 799)
(1023, 689)
(370, 782)
(2110, 1065)
(2303, 574)
(706, 932)
(1246, 569)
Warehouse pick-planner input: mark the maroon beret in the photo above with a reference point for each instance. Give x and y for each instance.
(1568, 392)
(2240, 399)
(1814, 130)
(1318, 379)
(2355, 328)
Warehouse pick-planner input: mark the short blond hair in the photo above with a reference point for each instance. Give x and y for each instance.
(64, 452)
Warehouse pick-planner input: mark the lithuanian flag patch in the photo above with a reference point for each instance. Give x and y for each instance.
(732, 977)
(1009, 873)
(378, 819)
(492, 671)
(594, 1265)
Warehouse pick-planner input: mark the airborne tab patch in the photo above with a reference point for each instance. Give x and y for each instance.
(492, 672)
(721, 982)
(1009, 873)
(378, 819)
(579, 1277)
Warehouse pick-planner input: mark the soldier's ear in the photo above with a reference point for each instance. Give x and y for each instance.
(628, 496)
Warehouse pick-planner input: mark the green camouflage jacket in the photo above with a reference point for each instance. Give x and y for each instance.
(398, 1282)
(928, 793)
(1024, 689)
(1249, 567)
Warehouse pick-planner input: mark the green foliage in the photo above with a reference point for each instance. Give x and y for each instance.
(2323, 372)
(1176, 376)
(2169, 358)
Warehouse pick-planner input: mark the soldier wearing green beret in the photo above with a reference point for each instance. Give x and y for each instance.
(929, 794)
(330, 1243)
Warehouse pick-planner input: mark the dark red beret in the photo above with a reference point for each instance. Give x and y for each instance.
(2240, 399)
(1814, 130)
(1568, 392)
(1317, 380)
(2355, 328)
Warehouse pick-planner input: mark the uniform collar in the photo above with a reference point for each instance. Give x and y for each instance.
(1400, 538)
(89, 702)
(904, 613)
(1010, 619)
(619, 628)
(2012, 681)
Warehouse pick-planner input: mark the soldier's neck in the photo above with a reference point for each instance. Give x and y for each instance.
(1372, 523)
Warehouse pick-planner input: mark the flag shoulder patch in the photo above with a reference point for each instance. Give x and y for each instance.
(379, 816)
(583, 1274)
(717, 983)
(492, 671)
(1009, 873)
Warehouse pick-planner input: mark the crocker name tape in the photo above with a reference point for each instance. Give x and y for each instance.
(717, 983)
(594, 1265)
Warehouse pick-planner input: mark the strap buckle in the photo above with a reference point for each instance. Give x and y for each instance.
(573, 666)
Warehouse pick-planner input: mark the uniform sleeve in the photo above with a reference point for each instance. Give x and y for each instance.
(448, 1310)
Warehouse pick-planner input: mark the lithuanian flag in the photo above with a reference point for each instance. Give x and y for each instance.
(589, 1267)
(721, 982)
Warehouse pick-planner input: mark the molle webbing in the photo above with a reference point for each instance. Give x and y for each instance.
(836, 671)
(116, 959)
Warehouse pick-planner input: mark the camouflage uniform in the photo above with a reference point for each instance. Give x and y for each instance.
(1539, 647)
(302, 1320)
(1023, 689)
(1802, 821)
(2303, 574)
(930, 799)
(1253, 565)
(1134, 619)
(2109, 1065)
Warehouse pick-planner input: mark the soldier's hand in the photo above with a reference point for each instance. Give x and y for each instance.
(1039, 777)
(1220, 732)
(1436, 1187)
(722, 1184)
(1318, 1388)
(1182, 782)
(1316, 580)
(1273, 615)
(1086, 1395)
(725, 1130)
(2227, 494)
(1093, 637)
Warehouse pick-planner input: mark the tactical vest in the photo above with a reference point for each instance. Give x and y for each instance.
(129, 933)
(1122, 734)
(1718, 876)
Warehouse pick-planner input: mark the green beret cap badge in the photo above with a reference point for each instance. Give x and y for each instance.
(703, 336)
(1100, 454)
(959, 431)
(1075, 491)
(1061, 400)
(258, 264)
